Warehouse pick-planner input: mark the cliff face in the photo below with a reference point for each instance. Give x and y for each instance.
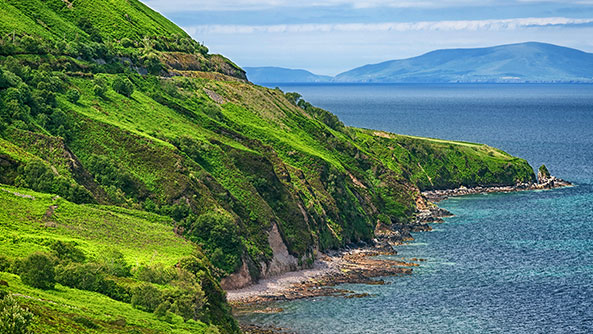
(142, 118)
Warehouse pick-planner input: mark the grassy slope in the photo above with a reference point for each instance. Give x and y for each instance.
(441, 164)
(142, 237)
(191, 146)
(53, 19)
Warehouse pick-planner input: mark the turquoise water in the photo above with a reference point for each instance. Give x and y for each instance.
(506, 263)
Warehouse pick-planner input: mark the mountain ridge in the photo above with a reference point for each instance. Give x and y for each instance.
(529, 62)
(274, 74)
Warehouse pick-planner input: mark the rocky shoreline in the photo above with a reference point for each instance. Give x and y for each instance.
(361, 264)
(544, 183)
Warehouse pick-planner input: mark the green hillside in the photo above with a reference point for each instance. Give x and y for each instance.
(122, 141)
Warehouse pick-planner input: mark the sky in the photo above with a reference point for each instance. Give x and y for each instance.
(332, 36)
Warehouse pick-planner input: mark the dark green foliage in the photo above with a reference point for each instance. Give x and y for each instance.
(73, 95)
(66, 251)
(13, 318)
(322, 115)
(157, 274)
(60, 124)
(108, 173)
(38, 271)
(293, 97)
(187, 301)
(123, 86)
(162, 310)
(90, 277)
(146, 297)
(5, 263)
(100, 87)
(38, 176)
(219, 237)
(114, 264)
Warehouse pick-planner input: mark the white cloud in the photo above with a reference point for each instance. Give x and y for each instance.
(230, 5)
(458, 25)
(241, 5)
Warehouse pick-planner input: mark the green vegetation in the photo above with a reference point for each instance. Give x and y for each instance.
(82, 251)
(13, 318)
(137, 171)
(37, 270)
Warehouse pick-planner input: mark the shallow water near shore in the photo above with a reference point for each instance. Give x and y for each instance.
(506, 263)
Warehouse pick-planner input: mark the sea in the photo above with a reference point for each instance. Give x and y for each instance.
(505, 263)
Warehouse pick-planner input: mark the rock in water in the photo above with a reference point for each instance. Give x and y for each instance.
(543, 174)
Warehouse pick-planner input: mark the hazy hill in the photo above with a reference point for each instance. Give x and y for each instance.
(525, 62)
(261, 75)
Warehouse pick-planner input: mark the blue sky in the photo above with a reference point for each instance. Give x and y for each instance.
(332, 36)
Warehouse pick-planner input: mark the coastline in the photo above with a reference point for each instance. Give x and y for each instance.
(359, 264)
(548, 183)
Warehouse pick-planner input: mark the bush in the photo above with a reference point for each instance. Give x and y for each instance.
(86, 276)
(187, 300)
(13, 318)
(146, 297)
(90, 277)
(219, 236)
(108, 173)
(38, 271)
(123, 86)
(39, 177)
(4, 263)
(73, 95)
(157, 274)
(100, 87)
(67, 251)
(115, 264)
(99, 90)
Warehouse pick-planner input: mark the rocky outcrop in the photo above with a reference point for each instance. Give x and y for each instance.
(237, 280)
(282, 261)
(545, 181)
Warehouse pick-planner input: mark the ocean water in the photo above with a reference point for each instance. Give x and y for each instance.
(506, 263)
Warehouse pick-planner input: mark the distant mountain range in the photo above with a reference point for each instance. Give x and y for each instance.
(283, 75)
(524, 62)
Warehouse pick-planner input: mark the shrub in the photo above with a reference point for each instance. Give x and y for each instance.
(157, 274)
(38, 271)
(146, 297)
(39, 177)
(115, 264)
(73, 95)
(90, 277)
(187, 300)
(13, 318)
(127, 43)
(219, 236)
(99, 90)
(100, 87)
(123, 86)
(67, 251)
(86, 276)
(4, 263)
(108, 173)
